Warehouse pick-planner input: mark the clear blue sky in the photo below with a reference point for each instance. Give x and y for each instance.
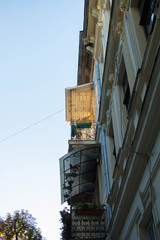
(38, 59)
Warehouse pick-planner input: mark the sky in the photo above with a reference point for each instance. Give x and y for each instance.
(39, 41)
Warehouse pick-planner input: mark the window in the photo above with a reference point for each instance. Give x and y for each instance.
(126, 90)
(147, 17)
(124, 83)
(111, 135)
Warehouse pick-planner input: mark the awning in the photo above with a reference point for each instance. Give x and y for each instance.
(80, 103)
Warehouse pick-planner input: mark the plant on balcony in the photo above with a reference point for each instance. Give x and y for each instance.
(72, 174)
(85, 207)
(66, 190)
(70, 177)
(74, 168)
(66, 224)
(69, 187)
(84, 125)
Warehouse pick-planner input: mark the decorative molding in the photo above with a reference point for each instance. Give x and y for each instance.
(91, 38)
(109, 93)
(89, 43)
(117, 65)
(98, 30)
(119, 27)
(123, 5)
(99, 4)
(95, 12)
(111, 78)
(109, 118)
(104, 4)
(116, 74)
(99, 25)
(118, 59)
(85, 41)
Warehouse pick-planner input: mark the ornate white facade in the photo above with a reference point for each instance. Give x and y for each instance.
(120, 49)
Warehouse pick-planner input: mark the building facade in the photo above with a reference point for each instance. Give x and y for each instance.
(114, 150)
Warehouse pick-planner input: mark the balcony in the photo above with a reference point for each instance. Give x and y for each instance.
(83, 131)
(82, 134)
(81, 165)
(88, 224)
(85, 224)
(80, 103)
(80, 112)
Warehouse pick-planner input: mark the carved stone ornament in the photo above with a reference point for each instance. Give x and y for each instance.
(117, 63)
(119, 27)
(99, 4)
(92, 38)
(116, 72)
(95, 12)
(109, 116)
(99, 25)
(104, 4)
(108, 93)
(123, 5)
(90, 49)
(111, 79)
(85, 41)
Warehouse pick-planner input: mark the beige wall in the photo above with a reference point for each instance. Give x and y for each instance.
(128, 48)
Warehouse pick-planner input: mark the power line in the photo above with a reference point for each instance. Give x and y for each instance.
(30, 126)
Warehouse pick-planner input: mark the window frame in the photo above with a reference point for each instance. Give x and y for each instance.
(124, 83)
(147, 16)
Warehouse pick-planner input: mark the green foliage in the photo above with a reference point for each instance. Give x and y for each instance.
(66, 224)
(20, 225)
(64, 213)
(87, 206)
(67, 187)
(67, 175)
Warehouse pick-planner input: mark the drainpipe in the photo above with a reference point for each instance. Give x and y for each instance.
(106, 168)
(98, 80)
(103, 139)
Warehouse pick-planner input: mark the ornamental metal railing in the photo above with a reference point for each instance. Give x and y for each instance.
(83, 131)
(89, 224)
(81, 165)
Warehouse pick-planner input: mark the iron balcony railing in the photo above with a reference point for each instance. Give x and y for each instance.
(89, 224)
(81, 165)
(83, 131)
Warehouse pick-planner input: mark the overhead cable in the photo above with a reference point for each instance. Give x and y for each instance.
(30, 126)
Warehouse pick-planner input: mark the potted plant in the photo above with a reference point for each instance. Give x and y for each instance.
(85, 207)
(72, 174)
(66, 190)
(70, 178)
(74, 168)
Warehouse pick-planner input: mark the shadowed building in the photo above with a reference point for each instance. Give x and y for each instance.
(114, 151)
